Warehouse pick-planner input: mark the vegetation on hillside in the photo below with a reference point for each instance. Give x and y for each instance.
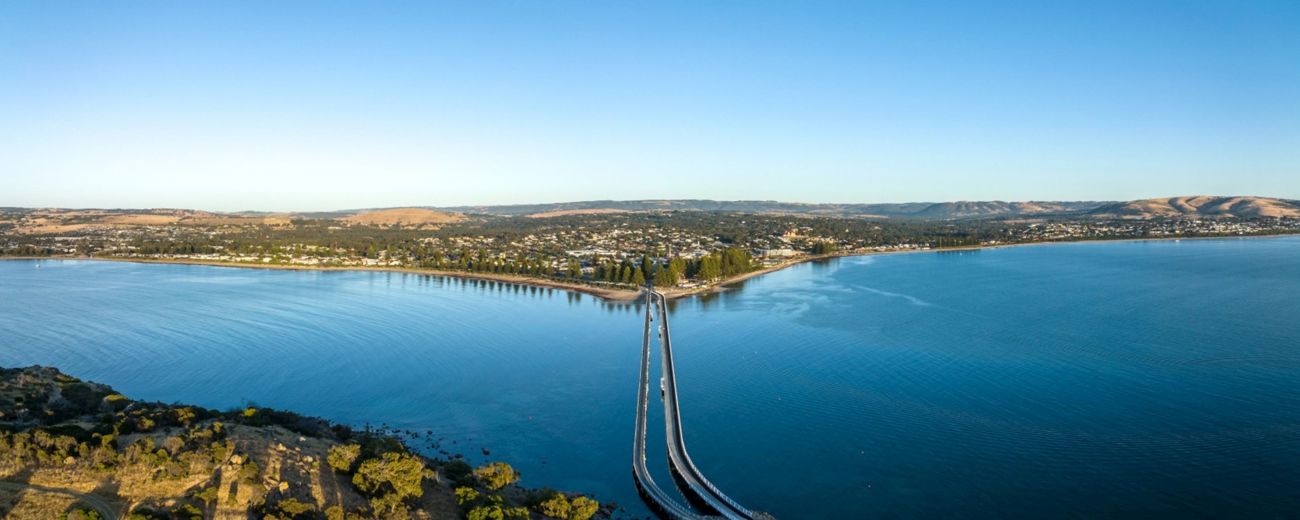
(166, 461)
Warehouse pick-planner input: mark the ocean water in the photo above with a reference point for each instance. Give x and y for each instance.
(1133, 379)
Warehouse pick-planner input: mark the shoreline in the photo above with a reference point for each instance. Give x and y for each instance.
(616, 295)
(612, 294)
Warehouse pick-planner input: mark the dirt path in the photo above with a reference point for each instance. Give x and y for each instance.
(105, 510)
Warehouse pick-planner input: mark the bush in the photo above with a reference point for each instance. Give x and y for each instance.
(343, 457)
(81, 514)
(496, 475)
(145, 513)
(823, 247)
(293, 508)
(583, 508)
(83, 398)
(208, 495)
(458, 472)
(467, 496)
(497, 512)
(557, 506)
(249, 472)
(188, 512)
(117, 402)
(396, 473)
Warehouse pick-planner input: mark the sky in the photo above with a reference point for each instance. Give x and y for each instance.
(293, 106)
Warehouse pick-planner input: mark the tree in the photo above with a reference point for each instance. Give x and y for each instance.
(583, 508)
(293, 508)
(394, 472)
(709, 268)
(638, 278)
(678, 266)
(82, 514)
(665, 277)
(555, 507)
(496, 475)
(497, 512)
(458, 472)
(824, 247)
(735, 261)
(467, 496)
(343, 457)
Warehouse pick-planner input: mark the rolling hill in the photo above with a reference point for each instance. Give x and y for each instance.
(926, 210)
(403, 216)
(1201, 206)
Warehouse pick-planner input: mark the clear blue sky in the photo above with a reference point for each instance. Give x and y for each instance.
(283, 105)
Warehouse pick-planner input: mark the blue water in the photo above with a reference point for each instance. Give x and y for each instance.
(1132, 379)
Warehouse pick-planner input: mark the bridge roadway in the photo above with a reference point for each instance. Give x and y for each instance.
(698, 488)
(663, 503)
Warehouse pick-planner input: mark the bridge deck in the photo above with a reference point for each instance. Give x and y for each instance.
(663, 503)
(696, 485)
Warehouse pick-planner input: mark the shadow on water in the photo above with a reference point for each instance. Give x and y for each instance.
(956, 253)
(731, 291)
(481, 286)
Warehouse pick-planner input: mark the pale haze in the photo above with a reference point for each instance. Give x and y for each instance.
(330, 105)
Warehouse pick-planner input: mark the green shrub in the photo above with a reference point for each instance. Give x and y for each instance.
(343, 457)
(81, 514)
(583, 508)
(555, 507)
(467, 496)
(497, 512)
(293, 508)
(458, 472)
(496, 475)
(397, 473)
(249, 472)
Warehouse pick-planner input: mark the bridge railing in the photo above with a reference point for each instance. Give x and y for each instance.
(676, 435)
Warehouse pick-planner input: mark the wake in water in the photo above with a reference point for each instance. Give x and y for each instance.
(912, 299)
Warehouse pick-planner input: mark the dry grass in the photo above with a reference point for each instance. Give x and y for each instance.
(1204, 206)
(34, 505)
(403, 216)
(566, 212)
(56, 221)
(231, 220)
(136, 219)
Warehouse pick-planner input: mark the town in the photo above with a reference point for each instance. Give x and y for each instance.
(686, 249)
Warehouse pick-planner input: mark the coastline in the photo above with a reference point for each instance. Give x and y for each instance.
(613, 294)
(242, 453)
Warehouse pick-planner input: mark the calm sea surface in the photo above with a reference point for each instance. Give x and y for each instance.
(1090, 380)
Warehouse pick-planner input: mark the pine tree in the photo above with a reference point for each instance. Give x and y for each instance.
(665, 278)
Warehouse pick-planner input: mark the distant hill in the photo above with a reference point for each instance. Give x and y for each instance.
(1201, 206)
(403, 216)
(52, 220)
(927, 210)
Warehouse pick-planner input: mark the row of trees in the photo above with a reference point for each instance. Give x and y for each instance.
(664, 272)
